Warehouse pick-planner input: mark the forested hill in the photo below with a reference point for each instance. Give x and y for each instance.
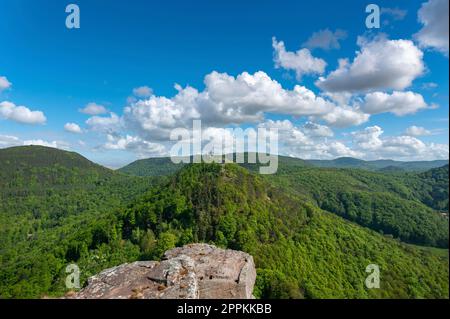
(32, 167)
(411, 206)
(55, 205)
(408, 206)
(42, 156)
(432, 188)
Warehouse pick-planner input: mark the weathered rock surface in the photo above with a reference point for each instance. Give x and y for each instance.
(196, 271)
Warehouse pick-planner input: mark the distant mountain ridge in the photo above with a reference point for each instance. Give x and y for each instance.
(350, 162)
(160, 166)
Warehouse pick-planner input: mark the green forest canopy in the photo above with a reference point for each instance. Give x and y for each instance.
(58, 208)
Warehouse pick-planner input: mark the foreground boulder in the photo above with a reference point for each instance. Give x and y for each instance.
(190, 272)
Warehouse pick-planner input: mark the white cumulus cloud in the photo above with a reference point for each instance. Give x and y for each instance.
(398, 103)
(4, 83)
(302, 61)
(434, 34)
(142, 91)
(155, 117)
(379, 64)
(111, 123)
(417, 131)
(345, 116)
(21, 114)
(73, 128)
(374, 146)
(326, 39)
(317, 130)
(310, 141)
(225, 100)
(249, 94)
(134, 144)
(93, 109)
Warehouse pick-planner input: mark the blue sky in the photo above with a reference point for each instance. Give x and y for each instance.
(123, 45)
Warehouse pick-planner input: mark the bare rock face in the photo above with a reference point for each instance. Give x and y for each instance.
(190, 272)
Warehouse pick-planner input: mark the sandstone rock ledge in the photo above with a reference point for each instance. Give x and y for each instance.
(196, 271)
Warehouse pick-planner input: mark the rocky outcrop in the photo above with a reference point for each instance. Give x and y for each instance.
(190, 272)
